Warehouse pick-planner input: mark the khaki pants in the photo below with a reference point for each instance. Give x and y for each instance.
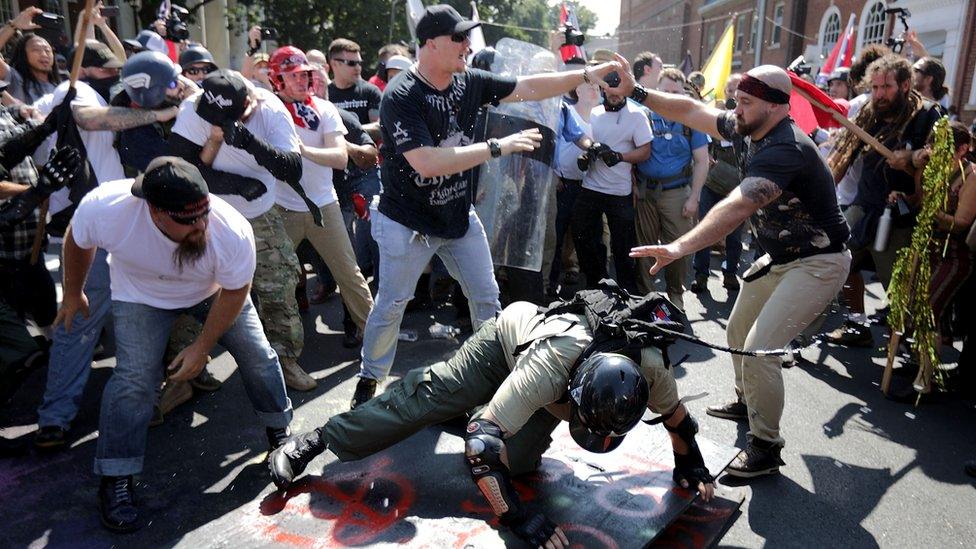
(769, 312)
(332, 244)
(659, 221)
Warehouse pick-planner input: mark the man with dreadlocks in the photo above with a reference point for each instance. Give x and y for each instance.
(901, 119)
(788, 191)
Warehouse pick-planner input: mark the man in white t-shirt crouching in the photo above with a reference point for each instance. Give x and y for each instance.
(173, 249)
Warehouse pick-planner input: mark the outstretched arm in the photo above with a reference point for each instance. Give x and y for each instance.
(541, 86)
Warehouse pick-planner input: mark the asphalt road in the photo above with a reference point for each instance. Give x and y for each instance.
(861, 470)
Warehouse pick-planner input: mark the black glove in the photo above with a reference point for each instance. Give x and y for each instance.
(28, 137)
(583, 162)
(17, 208)
(246, 187)
(610, 157)
(60, 171)
(533, 528)
(691, 467)
(236, 135)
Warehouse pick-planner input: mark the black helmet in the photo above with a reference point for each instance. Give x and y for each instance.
(146, 77)
(607, 397)
(196, 54)
(483, 59)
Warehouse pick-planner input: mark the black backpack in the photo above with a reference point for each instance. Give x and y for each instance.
(622, 323)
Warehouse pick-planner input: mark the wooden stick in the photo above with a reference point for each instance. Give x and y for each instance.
(896, 336)
(75, 71)
(843, 121)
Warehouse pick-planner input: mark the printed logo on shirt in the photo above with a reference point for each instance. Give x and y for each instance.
(351, 104)
(400, 135)
(218, 100)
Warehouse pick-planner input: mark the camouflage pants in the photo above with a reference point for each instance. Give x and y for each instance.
(272, 290)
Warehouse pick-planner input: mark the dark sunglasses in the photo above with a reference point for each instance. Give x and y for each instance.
(459, 37)
(349, 62)
(188, 220)
(199, 70)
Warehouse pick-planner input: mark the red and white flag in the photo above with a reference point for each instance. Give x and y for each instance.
(841, 56)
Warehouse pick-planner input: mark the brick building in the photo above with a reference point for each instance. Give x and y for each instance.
(785, 29)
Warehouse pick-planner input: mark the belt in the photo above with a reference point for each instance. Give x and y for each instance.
(666, 183)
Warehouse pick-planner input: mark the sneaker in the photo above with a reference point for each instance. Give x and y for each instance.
(880, 317)
(759, 458)
(206, 381)
(851, 334)
(50, 437)
(735, 410)
(116, 501)
(700, 285)
(174, 394)
(296, 378)
(730, 282)
(365, 389)
(292, 457)
(276, 436)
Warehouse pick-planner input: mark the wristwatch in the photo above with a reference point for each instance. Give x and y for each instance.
(494, 148)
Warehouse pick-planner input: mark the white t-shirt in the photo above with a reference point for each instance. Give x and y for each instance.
(140, 256)
(270, 122)
(316, 178)
(623, 131)
(99, 145)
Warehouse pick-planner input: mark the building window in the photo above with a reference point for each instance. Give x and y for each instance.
(830, 34)
(776, 33)
(874, 25)
(740, 32)
(754, 31)
(712, 38)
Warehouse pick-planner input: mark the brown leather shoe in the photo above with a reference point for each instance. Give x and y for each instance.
(296, 378)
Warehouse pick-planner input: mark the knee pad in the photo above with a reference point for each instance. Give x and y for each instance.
(484, 449)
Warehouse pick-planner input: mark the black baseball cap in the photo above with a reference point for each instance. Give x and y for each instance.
(174, 186)
(98, 54)
(442, 20)
(224, 97)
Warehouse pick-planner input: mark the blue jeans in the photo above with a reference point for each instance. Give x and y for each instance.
(733, 242)
(403, 256)
(141, 332)
(71, 352)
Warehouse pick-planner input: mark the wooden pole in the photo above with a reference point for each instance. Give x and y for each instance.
(895, 335)
(75, 70)
(843, 121)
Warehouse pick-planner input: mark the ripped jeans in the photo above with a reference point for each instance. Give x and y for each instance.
(403, 255)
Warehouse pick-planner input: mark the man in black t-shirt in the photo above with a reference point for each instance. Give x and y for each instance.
(348, 91)
(788, 190)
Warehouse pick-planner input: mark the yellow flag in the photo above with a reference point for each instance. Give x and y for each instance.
(719, 66)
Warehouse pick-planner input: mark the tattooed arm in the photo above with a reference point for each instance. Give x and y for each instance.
(116, 119)
(746, 199)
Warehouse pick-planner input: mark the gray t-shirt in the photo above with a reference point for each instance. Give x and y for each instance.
(33, 91)
(623, 131)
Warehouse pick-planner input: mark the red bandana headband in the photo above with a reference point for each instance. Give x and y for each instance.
(761, 90)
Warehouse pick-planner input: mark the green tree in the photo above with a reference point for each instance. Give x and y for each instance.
(587, 18)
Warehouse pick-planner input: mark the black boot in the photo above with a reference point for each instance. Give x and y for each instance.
(276, 436)
(116, 502)
(291, 458)
(365, 389)
(761, 457)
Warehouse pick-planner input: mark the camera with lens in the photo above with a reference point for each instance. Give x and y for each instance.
(176, 30)
(572, 49)
(898, 44)
(269, 33)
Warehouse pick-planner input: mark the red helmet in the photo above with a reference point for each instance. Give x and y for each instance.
(288, 59)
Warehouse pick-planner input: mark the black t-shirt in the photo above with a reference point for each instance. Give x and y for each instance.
(415, 115)
(805, 219)
(878, 179)
(361, 99)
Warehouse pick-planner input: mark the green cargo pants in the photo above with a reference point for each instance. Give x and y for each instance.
(433, 394)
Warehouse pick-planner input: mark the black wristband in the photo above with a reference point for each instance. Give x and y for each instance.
(639, 94)
(494, 148)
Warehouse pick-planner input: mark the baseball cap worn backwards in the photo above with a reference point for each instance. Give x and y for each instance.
(174, 186)
(442, 20)
(98, 54)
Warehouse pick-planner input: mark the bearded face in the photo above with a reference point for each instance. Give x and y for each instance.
(190, 249)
